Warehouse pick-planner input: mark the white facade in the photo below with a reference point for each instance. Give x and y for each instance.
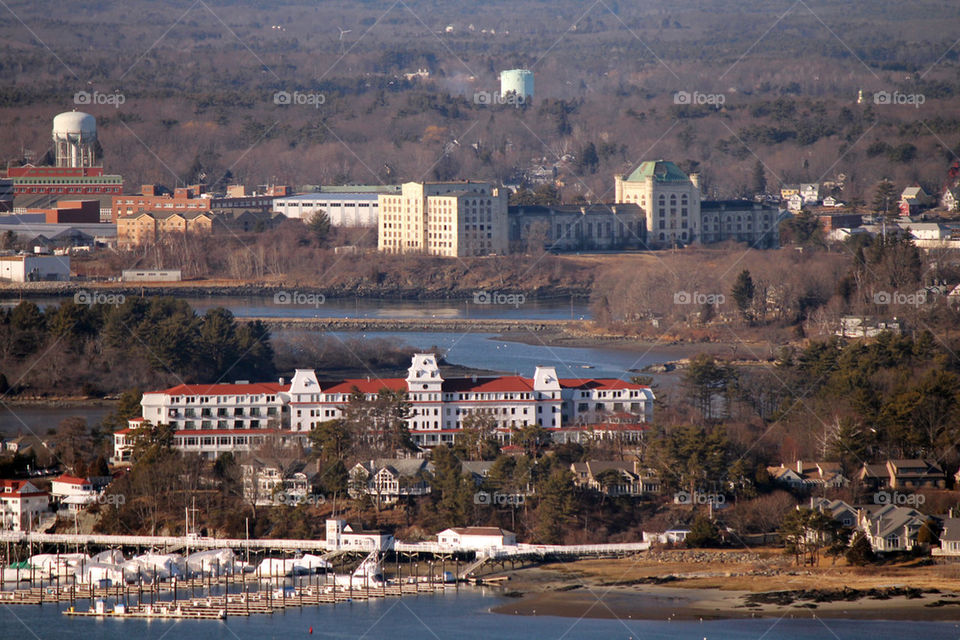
(21, 505)
(477, 538)
(341, 535)
(29, 268)
(74, 492)
(810, 192)
(343, 209)
(212, 419)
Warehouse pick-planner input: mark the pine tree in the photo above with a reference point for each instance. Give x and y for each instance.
(742, 292)
(884, 197)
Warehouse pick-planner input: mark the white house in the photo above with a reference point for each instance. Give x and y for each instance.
(21, 505)
(341, 535)
(75, 493)
(949, 538)
(891, 528)
(670, 536)
(30, 268)
(795, 203)
(276, 482)
(477, 538)
(951, 199)
(810, 192)
(389, 479)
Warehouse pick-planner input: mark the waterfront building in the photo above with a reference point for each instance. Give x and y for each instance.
(33, 268)
(21, 505)
(76, 493)
(477, 538)
(211, 419)
(456, 219)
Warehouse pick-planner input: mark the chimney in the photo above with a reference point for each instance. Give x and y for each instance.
(799, 466)
(282, 381)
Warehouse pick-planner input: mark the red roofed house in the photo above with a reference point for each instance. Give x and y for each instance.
(21, 505)
(216, 418)
(76, 493)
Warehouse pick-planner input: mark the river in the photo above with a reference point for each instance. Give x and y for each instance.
(462, 616)
(474, 350)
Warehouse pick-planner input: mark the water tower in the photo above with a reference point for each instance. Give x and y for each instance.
(519, 81)
(75, 136)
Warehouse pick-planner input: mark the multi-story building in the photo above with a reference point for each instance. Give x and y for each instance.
(668, 196)
(577, 227)
(147, 227)
(676, 215)
(389, 479)
(215, 418)
(444, 218)
(276, 482)
(68, 211)
(157, 199)
(21, 505)
(210, 418)
(40, 187)
(741, 221)
(346, 206)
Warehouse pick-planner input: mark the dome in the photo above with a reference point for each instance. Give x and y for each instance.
(73, 123)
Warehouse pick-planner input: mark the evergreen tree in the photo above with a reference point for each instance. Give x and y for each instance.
(703, 533)
(743, 292)
(860, 552)
(885, 197)
(319, 226)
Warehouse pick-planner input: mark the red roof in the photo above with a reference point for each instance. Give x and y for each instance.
(488, 385)
(16, 486)
(254, 388)
(366, 386)
(68, 479)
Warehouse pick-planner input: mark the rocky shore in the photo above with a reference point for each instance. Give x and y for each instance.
(691, 585)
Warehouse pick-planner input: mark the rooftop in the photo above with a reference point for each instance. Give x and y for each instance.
(658, 171)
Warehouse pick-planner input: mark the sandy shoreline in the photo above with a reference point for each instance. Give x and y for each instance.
(672, 603)
(536, 591)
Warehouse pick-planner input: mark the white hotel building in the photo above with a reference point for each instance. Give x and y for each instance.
(212, 419)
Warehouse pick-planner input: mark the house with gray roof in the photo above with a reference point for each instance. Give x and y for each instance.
(387, 480)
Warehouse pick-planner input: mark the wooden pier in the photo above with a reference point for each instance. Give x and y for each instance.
(265, 600)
